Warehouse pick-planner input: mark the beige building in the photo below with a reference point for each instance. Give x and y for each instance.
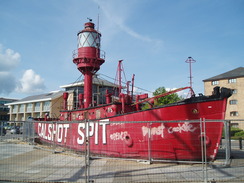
(36, 106)
(234, 80)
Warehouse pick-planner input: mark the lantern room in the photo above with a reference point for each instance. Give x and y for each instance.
(89, 41)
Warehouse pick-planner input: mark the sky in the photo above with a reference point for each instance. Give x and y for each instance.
(154, 38)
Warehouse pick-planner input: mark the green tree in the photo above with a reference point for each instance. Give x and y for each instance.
(166, 99)
(163, 100)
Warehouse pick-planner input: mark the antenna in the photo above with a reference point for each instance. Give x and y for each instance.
(190, 60)
(98, 17)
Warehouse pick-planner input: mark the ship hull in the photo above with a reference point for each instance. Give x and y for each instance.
(170, 132)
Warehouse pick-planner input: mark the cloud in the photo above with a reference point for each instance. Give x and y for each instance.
(31, 82)
(7, 82)
(118, 13)
(8, 59)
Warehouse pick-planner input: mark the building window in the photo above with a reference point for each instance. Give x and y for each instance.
(29, 107)
(235, 125)
(15, 108)
(37, 107)
(232, 81)
(233, 102)
(46, 106)
(234, 91)
(233, 113)
(22, 108)
(215, 82)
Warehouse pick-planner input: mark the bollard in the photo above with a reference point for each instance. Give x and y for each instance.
(240, 143)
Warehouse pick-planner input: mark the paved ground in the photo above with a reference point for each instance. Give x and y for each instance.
(21, 162)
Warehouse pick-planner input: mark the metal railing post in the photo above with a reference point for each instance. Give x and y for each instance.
(204, 149)
(1, 130)
(33, 133)
(149, 144)
(54, 136)
(29, 132)
(87, 151)
(228, 143)
(240, 143)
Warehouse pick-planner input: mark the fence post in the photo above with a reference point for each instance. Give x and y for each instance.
(33, 132)
(1, 130)
(54, 136)
(87, 151)
(28, 131)
(240, 143)
(228, 143)
(149, 143)
(204, 148)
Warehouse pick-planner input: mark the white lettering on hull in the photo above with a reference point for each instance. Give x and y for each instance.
(118, 135)
(154, 131)
(185, 127)
(53, 132)
(59, 132)
(91, 130)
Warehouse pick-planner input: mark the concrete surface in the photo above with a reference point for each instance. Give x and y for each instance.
(21, 162)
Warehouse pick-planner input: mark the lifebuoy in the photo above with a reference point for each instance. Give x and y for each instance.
(128, 140)
(205, 138)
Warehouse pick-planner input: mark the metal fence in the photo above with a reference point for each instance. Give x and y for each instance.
(38, 151)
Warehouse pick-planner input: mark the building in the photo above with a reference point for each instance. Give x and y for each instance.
(38, 106)
(4, 110)
(233, 79)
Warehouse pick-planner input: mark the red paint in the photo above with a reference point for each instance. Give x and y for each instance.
(65, 97)
(178, 141)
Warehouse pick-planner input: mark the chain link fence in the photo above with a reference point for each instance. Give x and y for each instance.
(38, 151)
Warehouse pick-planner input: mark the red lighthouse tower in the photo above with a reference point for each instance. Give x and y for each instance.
(87, 58)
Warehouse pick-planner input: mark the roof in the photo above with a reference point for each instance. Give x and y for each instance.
(7, 99)
(235, 73)
(56, 94)
(95, 81)
(39, 98)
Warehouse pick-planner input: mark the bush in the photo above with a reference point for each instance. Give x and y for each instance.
(234, 130)
(239, 134)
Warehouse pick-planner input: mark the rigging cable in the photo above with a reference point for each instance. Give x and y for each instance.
(125, 83)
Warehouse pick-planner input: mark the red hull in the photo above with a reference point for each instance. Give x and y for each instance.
(170, 140)
(129, 137)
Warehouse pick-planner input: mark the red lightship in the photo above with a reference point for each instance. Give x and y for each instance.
(176, 140)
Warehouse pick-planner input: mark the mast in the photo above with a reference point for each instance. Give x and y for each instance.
(119, 75)
(132, 86)
(87, 58)
(190, 60)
